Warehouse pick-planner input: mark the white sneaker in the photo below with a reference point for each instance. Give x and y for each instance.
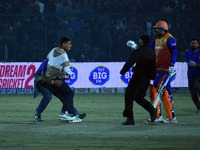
(170, 121)
(76, 120)
(37, 118)
(160, 119)
(66, 116)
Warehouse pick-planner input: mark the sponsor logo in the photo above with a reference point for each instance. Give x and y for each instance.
(99, 75)
(158, 47)
(16, 75)
(127, 76)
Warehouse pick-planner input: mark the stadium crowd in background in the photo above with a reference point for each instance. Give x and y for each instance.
(97, 27)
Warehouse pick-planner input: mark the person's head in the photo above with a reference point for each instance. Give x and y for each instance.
(65, 43)
(194, 43)
(160, 28)
(145, 40)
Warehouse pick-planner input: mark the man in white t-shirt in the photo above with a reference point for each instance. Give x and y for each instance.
(58, 66)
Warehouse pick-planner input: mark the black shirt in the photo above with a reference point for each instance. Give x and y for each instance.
(145, 59)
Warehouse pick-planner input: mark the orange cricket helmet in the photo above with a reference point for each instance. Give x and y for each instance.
(161, 25)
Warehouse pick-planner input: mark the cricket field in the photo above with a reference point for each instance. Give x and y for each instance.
(101, 129)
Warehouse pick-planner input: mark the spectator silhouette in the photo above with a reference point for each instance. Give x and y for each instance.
(64, 7)
(65, 31)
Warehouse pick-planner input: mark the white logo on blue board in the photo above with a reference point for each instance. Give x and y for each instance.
(99, 75)
(74, 76)
(127, 76)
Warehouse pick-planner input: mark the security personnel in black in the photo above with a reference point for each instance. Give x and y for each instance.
(144, 71)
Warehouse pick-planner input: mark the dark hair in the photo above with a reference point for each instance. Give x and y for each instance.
(64, 40)
(146, 39)
(194, 39)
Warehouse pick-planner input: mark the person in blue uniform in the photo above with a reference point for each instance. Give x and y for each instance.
(192, 57)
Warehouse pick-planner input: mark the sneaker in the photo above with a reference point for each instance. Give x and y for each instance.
(129, 121)
(37, 118)
(82, 115)
(76, 120)
(66, 116)
(170, 121)
(160, 119)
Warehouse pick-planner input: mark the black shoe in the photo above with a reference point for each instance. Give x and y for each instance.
(154, 115)
(129, 121)
(82, 115)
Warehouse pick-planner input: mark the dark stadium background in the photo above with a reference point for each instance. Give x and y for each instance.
(99, 29)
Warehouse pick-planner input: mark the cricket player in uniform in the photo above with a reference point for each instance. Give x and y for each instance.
(46, 90)
(192, 57)
(145, 69)
(166, 54)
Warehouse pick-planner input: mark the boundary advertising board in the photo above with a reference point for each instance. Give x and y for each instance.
(17, 77)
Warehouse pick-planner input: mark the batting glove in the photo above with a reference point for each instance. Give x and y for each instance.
(131, 44)
(172, 71)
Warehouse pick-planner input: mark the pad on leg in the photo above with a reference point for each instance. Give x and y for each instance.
(168, 105)
(152, 95)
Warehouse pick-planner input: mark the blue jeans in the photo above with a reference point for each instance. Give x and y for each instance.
(45, 100)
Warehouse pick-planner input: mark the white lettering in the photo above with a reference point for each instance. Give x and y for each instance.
(99, 75)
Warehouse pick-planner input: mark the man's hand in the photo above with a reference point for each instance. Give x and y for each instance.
(131, 44)
(64, 76)
(57, 82)
(191, 63)
(68, 77)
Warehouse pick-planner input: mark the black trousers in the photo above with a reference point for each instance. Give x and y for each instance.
(194, 86)
(65, 94)
(136, 90)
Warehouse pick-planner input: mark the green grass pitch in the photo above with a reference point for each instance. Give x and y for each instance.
(101, 129)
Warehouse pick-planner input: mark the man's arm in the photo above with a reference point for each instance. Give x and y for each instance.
(130, 62)
(50, 81)
(66, 66)
(171, 43)
(190, 61)
(193, 64)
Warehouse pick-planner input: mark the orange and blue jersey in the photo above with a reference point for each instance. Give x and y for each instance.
(166, 52)
(191, 55)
